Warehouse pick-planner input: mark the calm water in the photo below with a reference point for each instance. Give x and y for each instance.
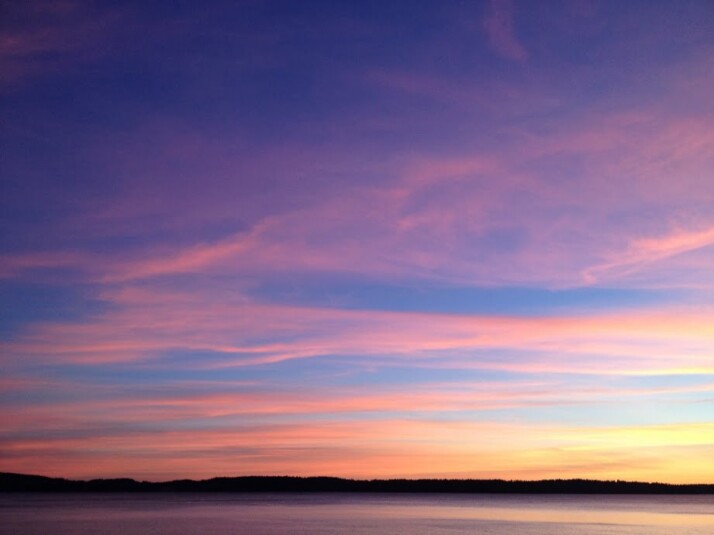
(317, 514)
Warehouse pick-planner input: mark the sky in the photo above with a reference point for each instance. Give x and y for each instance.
(357, 238)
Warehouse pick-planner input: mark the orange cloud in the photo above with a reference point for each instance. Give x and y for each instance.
(390, 448)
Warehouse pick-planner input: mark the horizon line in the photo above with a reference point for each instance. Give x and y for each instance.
(13, 481)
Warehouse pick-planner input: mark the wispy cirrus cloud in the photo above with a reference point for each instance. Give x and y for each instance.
(648, 250)
(223, 403)
(44, 38)
(498, 24)
(142, 326)
(261, 234)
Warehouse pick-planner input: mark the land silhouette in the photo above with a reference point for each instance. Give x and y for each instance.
(11, 482)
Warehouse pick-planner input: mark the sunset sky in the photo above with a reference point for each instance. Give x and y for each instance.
(393, 238)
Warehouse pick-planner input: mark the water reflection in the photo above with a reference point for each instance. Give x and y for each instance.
(223, 514)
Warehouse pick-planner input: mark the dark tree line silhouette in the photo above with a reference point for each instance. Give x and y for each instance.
(10, 482)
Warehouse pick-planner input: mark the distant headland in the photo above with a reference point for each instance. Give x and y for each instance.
(10, 482)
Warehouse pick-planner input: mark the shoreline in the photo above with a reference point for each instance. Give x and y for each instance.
(12, 482)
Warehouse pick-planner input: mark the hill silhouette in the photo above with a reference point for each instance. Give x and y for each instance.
(10, 482)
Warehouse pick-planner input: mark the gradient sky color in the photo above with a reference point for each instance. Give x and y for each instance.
(357, 238)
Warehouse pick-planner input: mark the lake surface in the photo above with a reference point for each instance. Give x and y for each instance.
(353, 514)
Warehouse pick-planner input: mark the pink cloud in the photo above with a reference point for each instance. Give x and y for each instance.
(125, 411)
(645, 251)
(499, 27)
(144, 324)
(442, 218)
(53, 36)
(14, 265)
(489, 181)
(488, 215)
